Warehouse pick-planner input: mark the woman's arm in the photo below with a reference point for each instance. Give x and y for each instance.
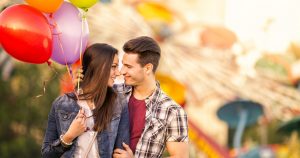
(123, 128)
(52, 146)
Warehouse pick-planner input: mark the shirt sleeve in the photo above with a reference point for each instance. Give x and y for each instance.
(177, 129)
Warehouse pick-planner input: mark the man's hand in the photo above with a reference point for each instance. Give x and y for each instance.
(127, 153)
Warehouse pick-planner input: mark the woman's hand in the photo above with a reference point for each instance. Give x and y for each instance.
(77, 127)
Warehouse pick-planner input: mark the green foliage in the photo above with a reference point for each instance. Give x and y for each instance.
(272, 135)
(271, 66)
(23, 116)
(254, 133)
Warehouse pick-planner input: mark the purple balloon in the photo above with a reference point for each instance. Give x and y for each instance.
(66, 32)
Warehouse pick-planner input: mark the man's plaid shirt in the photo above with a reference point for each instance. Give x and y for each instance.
(166, 121)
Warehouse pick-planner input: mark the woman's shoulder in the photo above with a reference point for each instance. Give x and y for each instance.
(121, 99)
(65, 97)
(65, 100)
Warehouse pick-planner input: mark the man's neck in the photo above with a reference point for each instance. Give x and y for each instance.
(145, 89)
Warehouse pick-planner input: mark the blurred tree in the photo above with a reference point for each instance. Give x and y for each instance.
(23, 116)
(252, 133)
(273, 137)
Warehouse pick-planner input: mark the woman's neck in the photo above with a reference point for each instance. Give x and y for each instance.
(90, 102)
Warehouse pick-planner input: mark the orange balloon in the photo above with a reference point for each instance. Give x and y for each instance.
(66, 84)
(47, 6)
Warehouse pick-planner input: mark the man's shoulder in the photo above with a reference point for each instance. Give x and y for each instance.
(166, 102)
(167, 109)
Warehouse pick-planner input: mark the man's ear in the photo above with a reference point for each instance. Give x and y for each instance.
(149, 68)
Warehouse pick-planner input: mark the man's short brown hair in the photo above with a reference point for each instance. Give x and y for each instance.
(147, 49)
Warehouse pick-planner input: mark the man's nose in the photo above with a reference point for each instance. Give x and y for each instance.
(122, 71)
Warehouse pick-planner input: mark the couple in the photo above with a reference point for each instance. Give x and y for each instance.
(105, 117)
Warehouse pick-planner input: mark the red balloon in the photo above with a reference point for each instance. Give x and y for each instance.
(25, 34)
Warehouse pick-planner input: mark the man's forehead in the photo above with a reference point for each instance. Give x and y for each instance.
(130, 57)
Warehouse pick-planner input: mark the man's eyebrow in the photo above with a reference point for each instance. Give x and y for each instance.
(127, 65)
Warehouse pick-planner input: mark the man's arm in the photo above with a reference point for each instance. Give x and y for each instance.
(177, 135)
(178, 149)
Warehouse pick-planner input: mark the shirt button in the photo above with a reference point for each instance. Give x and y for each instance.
(65, 116)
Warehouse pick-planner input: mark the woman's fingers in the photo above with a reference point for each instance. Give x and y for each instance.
(80, 114)
(78, 76)
(81, 111)
(83, 121)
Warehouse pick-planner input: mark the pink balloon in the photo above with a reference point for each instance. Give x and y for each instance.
(66, 32)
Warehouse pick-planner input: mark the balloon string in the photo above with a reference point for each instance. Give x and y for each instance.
(56, 74)
(59, 33)
(45, 81)
(83, 17)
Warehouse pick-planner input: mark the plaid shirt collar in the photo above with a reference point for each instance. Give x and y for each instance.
(150, 100)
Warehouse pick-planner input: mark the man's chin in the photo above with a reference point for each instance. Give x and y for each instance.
(128, 83)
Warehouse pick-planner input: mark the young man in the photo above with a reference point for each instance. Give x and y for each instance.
(156, 121)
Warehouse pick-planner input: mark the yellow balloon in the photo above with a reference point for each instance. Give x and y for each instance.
(154, 11)
(47, 6)
(84, 4)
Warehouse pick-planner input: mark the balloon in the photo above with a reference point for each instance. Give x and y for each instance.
(67, 83)
(47, 6)
(84, 4)
(67, 34)
(25, 34)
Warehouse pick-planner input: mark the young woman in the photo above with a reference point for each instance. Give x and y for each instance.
(94, 122)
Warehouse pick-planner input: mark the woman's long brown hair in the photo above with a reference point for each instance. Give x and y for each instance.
(96, 64)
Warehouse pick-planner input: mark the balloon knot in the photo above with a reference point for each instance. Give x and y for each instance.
(49, 63)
